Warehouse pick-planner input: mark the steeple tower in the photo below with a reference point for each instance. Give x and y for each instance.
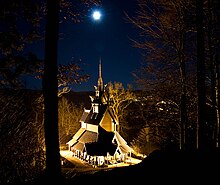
(100, 81)
(100, 87)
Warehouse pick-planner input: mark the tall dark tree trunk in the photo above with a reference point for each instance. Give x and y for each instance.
(183, 99)
(183, 108)
(213, 43)
(182, 68)
(50, 90)
(201, 134)
(217, 137)
(210, 34)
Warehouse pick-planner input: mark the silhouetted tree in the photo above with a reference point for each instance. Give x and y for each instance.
(164, 43)
(50, 91)
(211, 38)
(201, 88)
(181, 55)
(21, 26)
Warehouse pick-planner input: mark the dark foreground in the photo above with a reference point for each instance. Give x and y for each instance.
(160, 167)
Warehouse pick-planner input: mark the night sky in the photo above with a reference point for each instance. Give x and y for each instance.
(107, 38)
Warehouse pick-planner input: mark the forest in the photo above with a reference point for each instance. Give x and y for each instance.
(172, 117)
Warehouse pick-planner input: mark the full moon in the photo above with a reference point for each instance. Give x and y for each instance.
(96, 15)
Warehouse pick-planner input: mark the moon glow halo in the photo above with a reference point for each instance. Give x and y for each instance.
(96, 15)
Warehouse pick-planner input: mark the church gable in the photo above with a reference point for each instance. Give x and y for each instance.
(107, 122)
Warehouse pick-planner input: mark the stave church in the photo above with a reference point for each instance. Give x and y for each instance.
(98, 141)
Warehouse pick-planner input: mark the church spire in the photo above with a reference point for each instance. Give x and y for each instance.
(100, 81)
(100, 88)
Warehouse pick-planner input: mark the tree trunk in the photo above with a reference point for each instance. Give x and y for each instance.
(211, 53)
(182, 69)
(50, 90)
(217, 87)
(201, 133)
(183, 98)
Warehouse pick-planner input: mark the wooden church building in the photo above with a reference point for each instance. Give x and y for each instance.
(97, 141)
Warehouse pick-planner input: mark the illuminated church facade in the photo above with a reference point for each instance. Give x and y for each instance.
(97, 141)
